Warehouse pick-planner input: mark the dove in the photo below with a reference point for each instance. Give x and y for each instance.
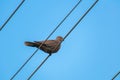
(48, 46)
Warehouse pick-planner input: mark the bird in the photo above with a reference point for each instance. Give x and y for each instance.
(48, 46)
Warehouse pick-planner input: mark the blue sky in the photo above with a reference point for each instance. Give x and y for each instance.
(90, 52)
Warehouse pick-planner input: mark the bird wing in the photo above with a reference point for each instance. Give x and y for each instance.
(51, 42)
(48, 43)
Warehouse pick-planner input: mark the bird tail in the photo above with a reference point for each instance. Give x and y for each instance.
(32, 44)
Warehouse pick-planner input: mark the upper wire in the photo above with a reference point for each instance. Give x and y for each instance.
(116, 75)
(64, 38)
(45, 40)
(11, 15)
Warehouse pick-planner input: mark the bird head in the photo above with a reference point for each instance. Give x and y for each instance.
(59, 38)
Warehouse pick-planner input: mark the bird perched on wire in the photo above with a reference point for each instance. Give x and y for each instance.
(48, 46)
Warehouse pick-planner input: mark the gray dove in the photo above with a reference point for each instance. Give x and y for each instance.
(50, 46)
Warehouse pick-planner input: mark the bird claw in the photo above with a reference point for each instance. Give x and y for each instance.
(50, 54)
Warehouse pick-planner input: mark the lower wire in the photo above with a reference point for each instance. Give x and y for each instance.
(38, 67)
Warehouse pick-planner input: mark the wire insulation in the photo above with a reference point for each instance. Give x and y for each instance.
(39, 66)
(81, 18)
(12, 15)
(116, 75)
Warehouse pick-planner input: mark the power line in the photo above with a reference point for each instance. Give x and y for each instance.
(64, 37)
(39, 66)
(12, 15)
(81, 19)
(45, 40)
(116, 75)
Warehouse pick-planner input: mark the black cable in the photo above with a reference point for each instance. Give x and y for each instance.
(81, 18)
(23, 65)
(45, 41)
(39, 66)
(65, 37)
(12, 15)
(116, 75)
(63, 20)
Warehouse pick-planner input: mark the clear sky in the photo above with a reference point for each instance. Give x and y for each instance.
(90, 52)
